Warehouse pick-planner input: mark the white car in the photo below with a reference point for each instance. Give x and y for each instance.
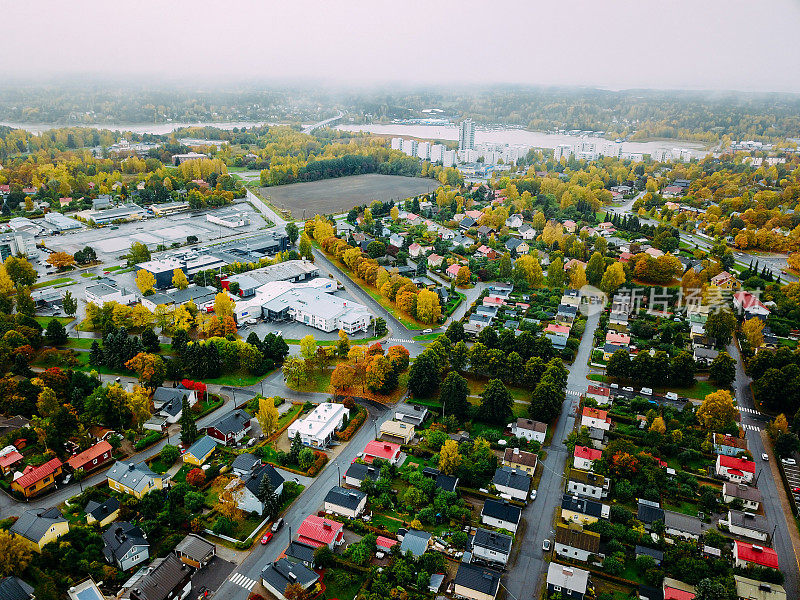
(671, 396)
(424, 331)
(546, 546)
(627, 389)
(789, 461)
(764, 456)
(646, 391)
(533, 495)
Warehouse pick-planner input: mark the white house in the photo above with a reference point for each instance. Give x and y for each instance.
(501, 515)
(747, 524)
(345, 502)
(735, 470)
(514, 221)
(318, 428)
(573, 541)
(534, 431)
(584, 457)
(749, 495)
(600, 394)
(101, 293)
(588, 484)
(594, 417)
(490, 546)
(527, 232)
(512, 483)
(245, 490)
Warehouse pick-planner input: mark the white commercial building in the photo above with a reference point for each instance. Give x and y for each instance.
(424, 150)
(397, 143)
(448, 158)
(410, 147)
(437, 153)
(466, 135)
(318, 428)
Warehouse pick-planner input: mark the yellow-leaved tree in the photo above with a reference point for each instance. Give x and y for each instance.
(717, 410)
(267, 415)
(145, 281)
(449, 457)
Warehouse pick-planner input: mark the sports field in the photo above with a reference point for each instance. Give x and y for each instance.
(333, 196)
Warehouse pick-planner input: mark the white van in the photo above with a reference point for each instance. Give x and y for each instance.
(671, 396)
(646, 391)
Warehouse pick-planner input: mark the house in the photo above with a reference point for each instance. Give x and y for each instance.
(746, 555)
(345, 502)
(13, 588)
(598, 437)
(200, 451)
(125, 546)
(570, 582)
(735, 470)
(527, 232)
(672, 589)
(682, 526)
(102, 513)
(618, 339)
(475, 582)
(594, 417)
(485, 252)
(319, 531)
(725, 281)
(91, 458)
(750, 589)
(396, 240)
(452, 270)
(584, 457)
(245, 490)
(385, 544)
(358, 472)
(517, 245)
(195, 551)
(570, 225)
(230, 429)
(749, 495)
(35, 480)
(298, 552)
(533, 431)
(512, 483)
(729, 445)
(558, 335)
(703, 355)
(278, 575)
(384, 450)
(573, 263)
(749, 525)
(164, 395)
(655, 554)
(9, 456)
(466, 223)
(514, 221)
(448, 483)
(415, 541)
(484, 231)
(490, 546)
(648, 512)
(415, 250)
(501, 515)
(576, 543)
(319, 427)
(618, 321)
(167, 579)
(410, 413)
(134, 479)
(586, 483)
(40, 526)
(396, 431)
(520, 460)
(566, 314)
(599, 393)
(609, 349)
(749, 305)
(435, 261)
(244, 464)
(578, 509)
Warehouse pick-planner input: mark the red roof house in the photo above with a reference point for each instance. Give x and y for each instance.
(8, 460)
(319, 531)
(557, 329)
(599, 393)
(91, 458)
(385, 543)
(452, 270)
(735, 469)
(584, 457)
(35, 479)
(750, 554)
(618, 339)
(385, 450)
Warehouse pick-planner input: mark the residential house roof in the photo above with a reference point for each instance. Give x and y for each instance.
(722, 439)
(677, 590)
(385, 542)
(649, 512)
(499, 542)
(587, 453)
(102, 510)
(88, 455)
(120, 538)
(576, 537)
(481, 579)
(741, 464)
(520, 457)
(162, 579)
(34, 523)
(740, 490)
(681, 522)
(253, 481)
(416, 542)
(654, 552)
(749, 521)
(162, 395)
(501, 510)
(598, 390)
(202, 447)
(233, 422)
(448, 483)
(361, 472)
(318, 531)
(585, 506)
(36, 474)
(300, 551)
(531, 425)
(512, 478)
(245, 462)
(195, 547)
(758, 590)
(569, 578)
(13, 588)
(586, 477)
(378, 449)
(595, 413)
(134, 476)
(346, 498)
(762, 556)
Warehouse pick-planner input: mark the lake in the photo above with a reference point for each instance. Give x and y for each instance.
(155, 128)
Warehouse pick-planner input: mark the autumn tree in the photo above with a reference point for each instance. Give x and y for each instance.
(753, 329)
(20, 271)
(449, 457)
(294, 371)
(528, 269)
(720, 326)
(464, 276)
(15, 554)
(428, 309)
(658, 425)
(61, 260)
(555, 273)
(145, 281)
(308, 348)
(139, 253)
(179, 280)
(577, 277)
(613, 278)
(717, 410)
(267, 415)
(595, 269)
(343, 377)
(149, 367)
(306, 249)
(223, 305)
(295, 591)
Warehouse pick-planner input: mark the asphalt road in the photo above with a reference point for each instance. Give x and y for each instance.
(309, 502)
(525, 577)
(770, 489)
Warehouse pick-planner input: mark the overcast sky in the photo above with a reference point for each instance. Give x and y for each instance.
(694, 44)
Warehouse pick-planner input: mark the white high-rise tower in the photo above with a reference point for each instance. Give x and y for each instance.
(466, 135)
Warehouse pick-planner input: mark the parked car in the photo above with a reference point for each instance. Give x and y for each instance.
(546, 545)
(277, 525)
(671, 396)
(646, 391)
(267, 537)
(533, 494)
(764, 456)
(789, 461)
(424, 331)
(627, 389)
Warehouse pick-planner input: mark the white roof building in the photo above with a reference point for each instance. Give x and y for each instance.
(318, 428)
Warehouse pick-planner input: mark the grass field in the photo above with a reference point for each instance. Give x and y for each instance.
(43, 321)
(52, 282)
(332, 196)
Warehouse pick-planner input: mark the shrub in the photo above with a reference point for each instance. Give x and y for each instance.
(355, 422)
(150, 438)
(169, 454)
(196, 477)
(306, 458)
(320, 458)
(223, 525)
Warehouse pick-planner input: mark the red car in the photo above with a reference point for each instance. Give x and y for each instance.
(267, 537)
(796, 490)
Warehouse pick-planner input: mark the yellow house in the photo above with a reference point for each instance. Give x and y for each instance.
(725, 281)
(40, 526)
(200, 451)
(102, 513)
(36, 479)
(134, 479)
(397, 431)
(583, 511)
(520, 460)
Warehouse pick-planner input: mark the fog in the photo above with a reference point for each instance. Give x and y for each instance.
(678, 44)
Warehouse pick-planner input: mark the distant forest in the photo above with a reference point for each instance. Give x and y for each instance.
(708, 117)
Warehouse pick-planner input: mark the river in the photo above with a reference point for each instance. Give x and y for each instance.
(513, 137)
(155, 128)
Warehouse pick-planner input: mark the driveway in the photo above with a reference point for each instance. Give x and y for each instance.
(524, 578)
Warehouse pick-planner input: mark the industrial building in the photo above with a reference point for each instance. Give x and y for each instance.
(202, 296)
(168, 208)
(124, 212)
(294, 271)
(59, 222)
(16, 243)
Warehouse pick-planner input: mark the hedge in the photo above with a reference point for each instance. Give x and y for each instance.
(320, 458)
(345, 434)
(150, 438)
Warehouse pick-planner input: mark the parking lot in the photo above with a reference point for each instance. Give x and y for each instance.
(792, 472)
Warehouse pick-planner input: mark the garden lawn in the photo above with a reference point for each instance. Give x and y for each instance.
(379, 520)
(160, 466)
(683, 507)
(346, 590)
(427, 337)
(52, 282)
(317, 381)
(43, 321)
(236, 379)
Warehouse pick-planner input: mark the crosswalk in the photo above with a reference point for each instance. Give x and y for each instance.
(401, 341)
(243, 581)
(750, 411)
(751, 427)
(574, 393)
